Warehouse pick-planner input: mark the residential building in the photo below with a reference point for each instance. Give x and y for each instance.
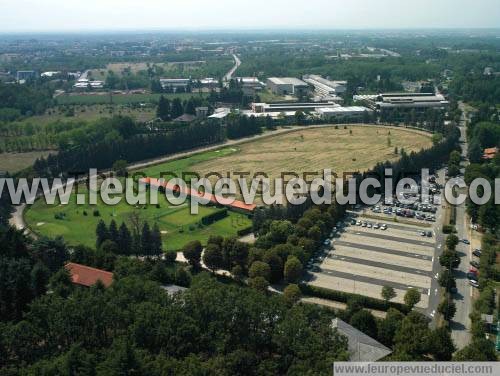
(287, 86)
(86, 276)
(490, 153)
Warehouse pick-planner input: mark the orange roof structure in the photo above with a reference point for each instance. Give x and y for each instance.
(87, 276)
(219, 200)
(490, 153)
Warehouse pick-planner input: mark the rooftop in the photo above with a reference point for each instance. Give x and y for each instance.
(86, 276)
(362, 348)
(287, 81)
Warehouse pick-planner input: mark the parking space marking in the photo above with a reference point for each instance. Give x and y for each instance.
(389, 261)
(377, 249)
(376, 272)
(394, 238)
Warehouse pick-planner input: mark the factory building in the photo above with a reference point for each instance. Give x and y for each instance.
(174, 84)
(287, 86)
(23, 76)
(259, 108)
(324, 88)
(415, 101)
(352, 112)
(250, 85)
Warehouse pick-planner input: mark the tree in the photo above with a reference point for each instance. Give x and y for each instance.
(388, 327)
(61, 283)
(102, 233)
(441, 344)
(412, 298)
(120, 167)
(447, 308)
(52, 252)
(388, 293)
(480, 350)
(292, 294)
(40, 275)
(163, 110)
(259, 284)
(447, 280)
(452, 242)
(182, 277)
(156, 241)
(113, 231)
(146, 240)
(449, 259)
(365, 321)
(260, 269)
(411, 342)
(293, 269)
(192, 253)
(177, 109)
(124, 240)
(212, 257)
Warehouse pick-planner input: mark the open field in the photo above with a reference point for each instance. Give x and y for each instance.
(176, 223)
(105, 98)
(14, 162)
(89, 113)
(303, 150)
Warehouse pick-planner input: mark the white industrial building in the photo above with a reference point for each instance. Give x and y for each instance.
(290, 106)
(85, 83)
(326, 88)
(250, 85)
(417, 101)
(343, 112)
(287, 86)
(175, 83)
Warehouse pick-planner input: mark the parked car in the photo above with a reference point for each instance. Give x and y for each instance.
(422, 233)
(477, 253)
(383, 227)
(472, 276)
(429, 234)
(327, 242)
(376, 226)
(475, 264)
(474, 283)
(465, 241)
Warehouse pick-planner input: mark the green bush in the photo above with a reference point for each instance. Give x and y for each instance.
(340, 296)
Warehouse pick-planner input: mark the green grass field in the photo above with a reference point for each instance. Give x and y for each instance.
(177, 224)
(105, 98)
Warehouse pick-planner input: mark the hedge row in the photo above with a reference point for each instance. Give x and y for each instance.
(245, 231)
(343, 297)
(214, 217)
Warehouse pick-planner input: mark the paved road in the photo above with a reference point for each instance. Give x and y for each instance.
(237, 63)
(461, 324)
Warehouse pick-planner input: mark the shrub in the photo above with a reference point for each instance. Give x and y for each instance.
(96, 213)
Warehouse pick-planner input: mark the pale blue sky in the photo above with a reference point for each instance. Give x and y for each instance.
(61, 15)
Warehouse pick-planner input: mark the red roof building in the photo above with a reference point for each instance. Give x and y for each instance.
(87, 276)
(490, 153)
(218, 200)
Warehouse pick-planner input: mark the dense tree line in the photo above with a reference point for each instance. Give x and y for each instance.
(23, 100)
(103, 153)
(239, 126)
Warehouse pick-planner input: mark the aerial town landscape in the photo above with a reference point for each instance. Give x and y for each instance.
(165, 206)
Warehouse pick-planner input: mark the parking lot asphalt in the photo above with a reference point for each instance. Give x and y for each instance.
(363, 260)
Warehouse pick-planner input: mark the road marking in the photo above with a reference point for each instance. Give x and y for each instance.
(435, 291)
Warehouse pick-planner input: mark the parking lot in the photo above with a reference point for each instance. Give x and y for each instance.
(364, 255)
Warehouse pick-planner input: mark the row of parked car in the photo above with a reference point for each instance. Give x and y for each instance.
(375, 226)
(473, 274)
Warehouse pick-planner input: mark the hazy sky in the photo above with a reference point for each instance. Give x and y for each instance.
(55, 15)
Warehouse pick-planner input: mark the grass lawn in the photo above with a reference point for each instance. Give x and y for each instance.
(14, 162)
(105, 98)
(304, 150)
(177, 224)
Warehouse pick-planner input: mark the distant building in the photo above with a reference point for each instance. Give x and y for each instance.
(324, 87)
(209, 82)
(25, 75)
(351, 112)
(250, 85)
(185, 118)
(362, 348)
(49, 74)
(416, 101)
(488, 71)
(287, 86)
(85, 83)
(175, 83)
(290, 106)
(173, 290)
(86, 276)
(201, 112)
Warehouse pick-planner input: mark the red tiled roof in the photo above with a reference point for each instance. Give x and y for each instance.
(87, 276)
(207, 196)
(491, 151)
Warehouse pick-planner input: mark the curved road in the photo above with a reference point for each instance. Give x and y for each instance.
(237, 63)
